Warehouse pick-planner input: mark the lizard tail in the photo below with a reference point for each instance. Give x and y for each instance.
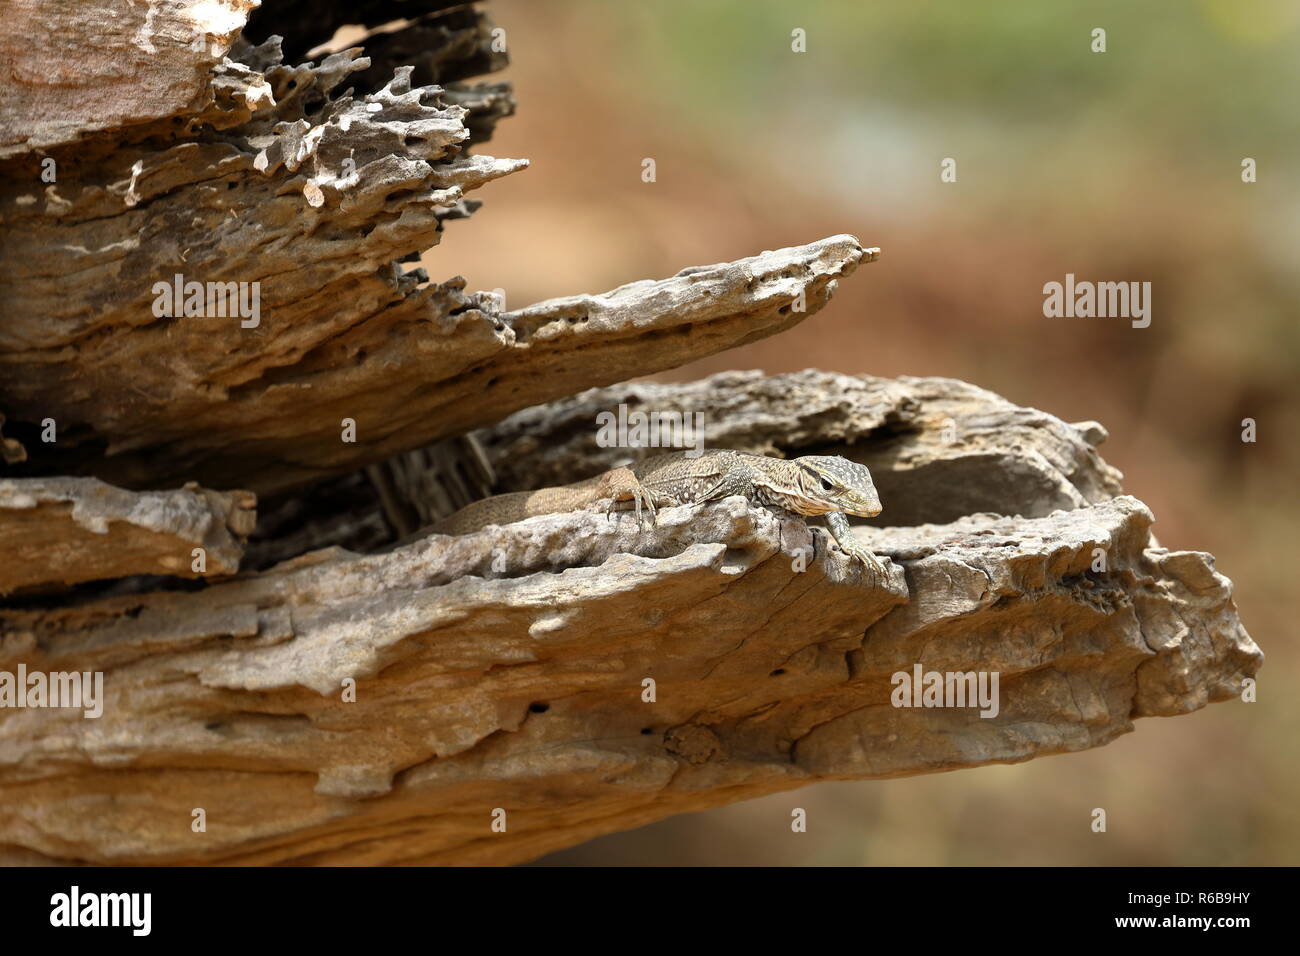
(516, 506)
(501, 509)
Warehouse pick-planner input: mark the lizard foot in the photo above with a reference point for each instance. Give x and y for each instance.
(845, 541)
(620, 485)
(870, 563)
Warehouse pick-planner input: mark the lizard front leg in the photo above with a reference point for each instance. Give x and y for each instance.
(842, 532)
(620, 486)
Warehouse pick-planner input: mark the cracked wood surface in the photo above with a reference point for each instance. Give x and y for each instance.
(504, 670)
(66, 530)
(73, 69)
(314, 181)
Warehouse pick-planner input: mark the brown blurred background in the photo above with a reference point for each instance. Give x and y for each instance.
(1124, 165)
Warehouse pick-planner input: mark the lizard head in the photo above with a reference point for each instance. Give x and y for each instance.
(826, 483)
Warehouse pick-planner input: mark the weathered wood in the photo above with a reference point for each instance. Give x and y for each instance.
(506, 670)
(76, 69)
(289, 183)
(67, 530)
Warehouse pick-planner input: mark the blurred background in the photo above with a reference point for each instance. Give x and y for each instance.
(1123, 165)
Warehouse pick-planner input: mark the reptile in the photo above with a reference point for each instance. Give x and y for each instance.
(810, 486)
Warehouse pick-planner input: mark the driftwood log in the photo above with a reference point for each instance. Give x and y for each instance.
(281, 684)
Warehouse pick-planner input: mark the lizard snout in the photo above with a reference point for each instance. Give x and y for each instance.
(863, 507)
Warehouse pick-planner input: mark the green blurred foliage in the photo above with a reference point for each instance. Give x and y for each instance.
(1003, 63)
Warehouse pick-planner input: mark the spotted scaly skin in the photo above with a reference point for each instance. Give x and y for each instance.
(815, 485)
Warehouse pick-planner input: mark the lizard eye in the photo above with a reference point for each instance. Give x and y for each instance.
(827, 485)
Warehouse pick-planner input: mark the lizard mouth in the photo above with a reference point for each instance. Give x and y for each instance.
(861, 508)
(812, 508)
(808, 507)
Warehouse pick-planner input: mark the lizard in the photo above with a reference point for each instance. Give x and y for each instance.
(825, 485)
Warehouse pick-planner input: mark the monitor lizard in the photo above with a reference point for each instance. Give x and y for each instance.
(812, 485)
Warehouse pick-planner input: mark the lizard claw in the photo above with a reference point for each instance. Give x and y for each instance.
(621, 485)
(849, 546)
(870, 563)
(644, 496)
(641, 500)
